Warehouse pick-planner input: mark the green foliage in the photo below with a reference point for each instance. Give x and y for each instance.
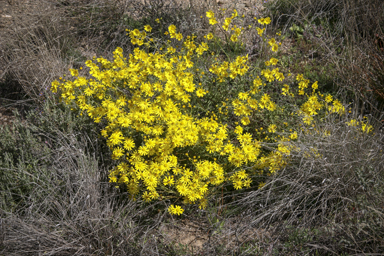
(27, 149)
(22, 152)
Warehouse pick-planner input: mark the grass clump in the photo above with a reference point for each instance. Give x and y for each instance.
(328, 204)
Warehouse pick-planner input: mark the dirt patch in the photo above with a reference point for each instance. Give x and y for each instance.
(198, 236)
(187, 233)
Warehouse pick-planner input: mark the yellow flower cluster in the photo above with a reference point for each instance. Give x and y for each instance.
(264, 21)
(228, 20)
(238, 30)
(271, 75)
(173, 34)
(163, 151)
(364, 126)
(230, 69)
(137, 37)
(212, 19)
(176, 210)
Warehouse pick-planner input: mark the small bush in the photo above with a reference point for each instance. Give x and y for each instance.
(175, 131)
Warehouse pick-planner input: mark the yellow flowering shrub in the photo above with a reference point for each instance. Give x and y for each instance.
(149, 104)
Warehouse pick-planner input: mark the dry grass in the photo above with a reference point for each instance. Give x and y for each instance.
(338, 194)
(70, 215)
(33, 46)
(65, 206)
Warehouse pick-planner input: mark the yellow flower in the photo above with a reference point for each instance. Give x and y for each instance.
(307, 119)
(275, 47)
(148, 28)
(143, 151)
(135, 32)
(272, 41)
(129, 144)
(172, 29)
(104, 133)
(260, 31)
(117, 153)
(243, 95)
(267, 21)
(227, 22)
(242, 174)
(272, 128)
(239, 129)
(175, 210)
(169, 181)
(210, 14)
(247, 183)
(273, 61)
(285, 90)
(210, 36)
(366, 128)
(124, 121)
(200, 92)
(116, 138)
(88, 91)
(212, 21)
(279, 76)
(353, 122)
(74, 72)
(337, 107)
(112, 179)
(171, 50)
(234, 14)
(299, 77)
(245, 120)
(293, 136)
(179, 36)
(238, 184)
(315, 86)
(146, 196)
(328, 98)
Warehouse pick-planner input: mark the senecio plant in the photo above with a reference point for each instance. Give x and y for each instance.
(154, 107)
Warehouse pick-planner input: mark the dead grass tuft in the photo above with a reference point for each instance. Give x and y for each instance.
(328, 203)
